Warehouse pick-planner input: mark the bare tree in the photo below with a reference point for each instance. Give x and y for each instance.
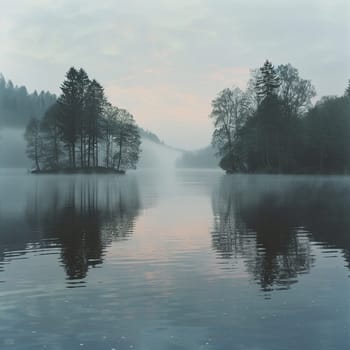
(34, 142)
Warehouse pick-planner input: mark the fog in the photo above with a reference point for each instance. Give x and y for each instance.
(157, 156)
(12, 149)
(13, 152)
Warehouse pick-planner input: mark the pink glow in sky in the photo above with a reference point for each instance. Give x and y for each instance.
(165, 60)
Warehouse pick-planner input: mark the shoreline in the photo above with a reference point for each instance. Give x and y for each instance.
(96, 170)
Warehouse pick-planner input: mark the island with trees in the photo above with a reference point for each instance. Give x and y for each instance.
(82, 132)
(274, 127)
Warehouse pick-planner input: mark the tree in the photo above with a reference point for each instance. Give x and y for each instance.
(268, 120)
(83, 84)
(295, 92)
(94, 105)
(267, 81)
(268, 136)
(347, 90)
(34, 142)
(71, 102)
(327, 130)
(82, 120)
(17, 106)
(127, 139)
(51, 136)
(229, 114)
(109, 130)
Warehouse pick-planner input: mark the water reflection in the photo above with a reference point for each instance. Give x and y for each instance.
(81, 216)
(272, 224)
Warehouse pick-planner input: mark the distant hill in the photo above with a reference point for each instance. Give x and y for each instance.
(203, 158)
(146, 134)
(17, 106)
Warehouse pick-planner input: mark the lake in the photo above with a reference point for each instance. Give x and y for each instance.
(190, 259)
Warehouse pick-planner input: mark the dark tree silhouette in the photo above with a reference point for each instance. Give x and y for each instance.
(267, 81)
(72, 103)
(278, 130)
(34, 142)
(271, 223)
(347, 90)
(78, 123)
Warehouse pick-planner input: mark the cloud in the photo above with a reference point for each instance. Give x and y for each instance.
(173, 49)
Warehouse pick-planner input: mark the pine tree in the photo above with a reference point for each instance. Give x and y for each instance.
(347, 90)
(71, 101)
(95, 101)
(83, 84)
(267, 82)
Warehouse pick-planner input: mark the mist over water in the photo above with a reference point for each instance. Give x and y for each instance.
(157, 156)
(13, 152)
(12, 148)
(195, 259)
(112, 239)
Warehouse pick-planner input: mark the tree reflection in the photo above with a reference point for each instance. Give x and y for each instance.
(270, 222)
(84, 216)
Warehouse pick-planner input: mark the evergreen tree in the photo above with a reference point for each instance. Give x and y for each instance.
(267, 81)
(83, 84)
(71, 102)
(17, 106)
(327, 130)
(94, 105)
(347, 90)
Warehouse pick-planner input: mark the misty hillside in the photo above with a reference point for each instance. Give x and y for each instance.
(17, 106)
(13, 151)
(203, 158)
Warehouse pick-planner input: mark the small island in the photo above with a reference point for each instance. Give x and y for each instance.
(96, 170)
(82, 133)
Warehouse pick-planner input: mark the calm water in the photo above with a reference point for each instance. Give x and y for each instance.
(187, 260)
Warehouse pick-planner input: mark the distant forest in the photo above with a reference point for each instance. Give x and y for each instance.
(273, 126)
(17, 106)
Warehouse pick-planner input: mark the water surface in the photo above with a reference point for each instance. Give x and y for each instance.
(187, 260)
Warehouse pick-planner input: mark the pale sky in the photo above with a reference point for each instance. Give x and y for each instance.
(165, 60)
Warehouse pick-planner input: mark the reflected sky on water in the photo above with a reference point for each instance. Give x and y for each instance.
(184, 260)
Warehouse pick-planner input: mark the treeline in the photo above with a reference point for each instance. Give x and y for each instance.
(272, 127)
(150, 136)
(80, 128)
(17, 106)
